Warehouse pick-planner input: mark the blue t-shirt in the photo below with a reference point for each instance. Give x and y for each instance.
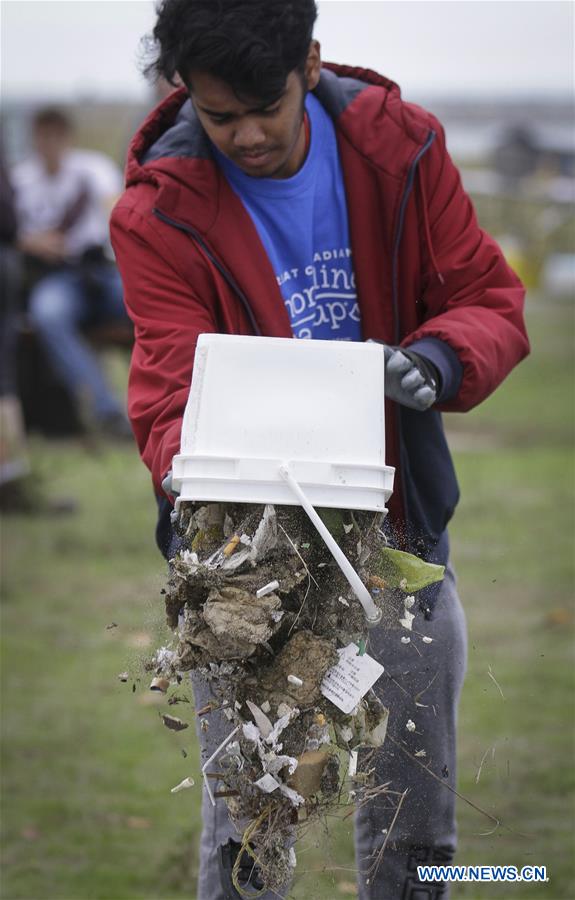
(302, 223)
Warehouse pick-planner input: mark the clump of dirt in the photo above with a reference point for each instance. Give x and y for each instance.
(306, 657)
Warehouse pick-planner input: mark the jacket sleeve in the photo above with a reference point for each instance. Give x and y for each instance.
(473, 330)
(167, 317)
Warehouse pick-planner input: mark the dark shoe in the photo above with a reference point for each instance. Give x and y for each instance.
(248, 875)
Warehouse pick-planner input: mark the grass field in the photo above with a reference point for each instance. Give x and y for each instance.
(87, 767)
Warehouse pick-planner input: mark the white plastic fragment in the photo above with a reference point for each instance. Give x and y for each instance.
(267, 783)
(352, 763)
(346, 733)
(262, 721)
(403, 584)
(282, 722)
(408, 602)
(186, 783)
(421, 753)
(343, 600)
(267, 589)
(292, 858)
(274, 763)
(347, 528)
(263, 540)
(190, 559)
(265, 707)
(407, 620)
(426, 639)
(292, 795)
(293, 679)
(284, 709)
(405, 640)
(410, 725)
(251, 732)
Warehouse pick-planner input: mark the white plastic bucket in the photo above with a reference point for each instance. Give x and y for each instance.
(257, 403)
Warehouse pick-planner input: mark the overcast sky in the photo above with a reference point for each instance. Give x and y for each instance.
(61, 49)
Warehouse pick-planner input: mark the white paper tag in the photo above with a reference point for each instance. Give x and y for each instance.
(267, 783)
(351, 679)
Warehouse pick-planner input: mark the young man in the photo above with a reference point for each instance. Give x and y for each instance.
(63, 198)
(278, 196)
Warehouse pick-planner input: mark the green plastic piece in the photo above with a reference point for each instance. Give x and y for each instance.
(404, 570)
(361, 647)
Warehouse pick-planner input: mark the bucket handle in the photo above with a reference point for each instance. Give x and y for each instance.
(372, 613)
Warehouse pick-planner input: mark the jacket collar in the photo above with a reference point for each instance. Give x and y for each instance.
(171, 144)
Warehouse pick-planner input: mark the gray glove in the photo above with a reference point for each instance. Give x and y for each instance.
(167, 485)
(410, 379)
(168, 489)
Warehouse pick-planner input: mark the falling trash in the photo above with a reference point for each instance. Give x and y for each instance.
(186, 783)
(259, 606)
(173, 723)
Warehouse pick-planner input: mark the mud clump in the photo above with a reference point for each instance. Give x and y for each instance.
(240, 615)
(307, 657)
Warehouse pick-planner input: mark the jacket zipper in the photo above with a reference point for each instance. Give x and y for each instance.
(397, 329)
(407, 191)
(196, 236)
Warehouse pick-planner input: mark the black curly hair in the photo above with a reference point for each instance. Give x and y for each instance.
(252, 45)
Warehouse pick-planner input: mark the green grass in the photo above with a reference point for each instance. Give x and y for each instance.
(87, 766)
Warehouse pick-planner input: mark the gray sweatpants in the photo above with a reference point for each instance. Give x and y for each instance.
(422, 688)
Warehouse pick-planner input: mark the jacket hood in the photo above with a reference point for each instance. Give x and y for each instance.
(173, 131)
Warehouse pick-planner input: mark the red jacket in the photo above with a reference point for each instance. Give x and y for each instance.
(192, 262)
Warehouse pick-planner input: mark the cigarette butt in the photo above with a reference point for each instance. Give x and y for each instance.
(293, 679)
(160, 684)
(186, 783)
(231, 546)
(267, 589)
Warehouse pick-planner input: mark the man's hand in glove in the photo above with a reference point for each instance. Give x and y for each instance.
(410, 379)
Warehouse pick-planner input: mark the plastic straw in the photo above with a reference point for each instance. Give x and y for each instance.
(373, 615)
(211, 759)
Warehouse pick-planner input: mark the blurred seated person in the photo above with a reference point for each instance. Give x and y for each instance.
(21, 490)
(63, 199)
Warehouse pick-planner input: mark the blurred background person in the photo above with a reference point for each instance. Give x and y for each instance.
(14, 465)
(19, 489)
(63, 197)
